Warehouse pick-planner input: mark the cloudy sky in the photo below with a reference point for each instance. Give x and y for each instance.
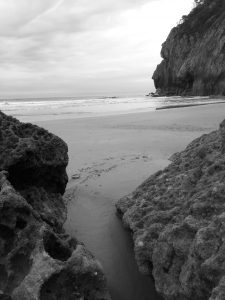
(83, 47)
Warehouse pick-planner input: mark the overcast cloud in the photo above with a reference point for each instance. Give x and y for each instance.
(83, 47)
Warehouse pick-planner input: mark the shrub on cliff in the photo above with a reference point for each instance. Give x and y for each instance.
(203, 15)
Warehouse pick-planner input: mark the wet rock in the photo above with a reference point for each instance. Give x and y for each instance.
(193, 54)
(38, 261)
(177, 218)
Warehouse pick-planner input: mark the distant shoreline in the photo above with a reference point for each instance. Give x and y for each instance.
(188, 105)
(89, 108)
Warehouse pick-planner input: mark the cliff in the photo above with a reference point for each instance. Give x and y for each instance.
(38, 261)
(177, 218)
(194, 54)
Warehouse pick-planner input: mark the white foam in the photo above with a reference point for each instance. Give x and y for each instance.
(63, 108)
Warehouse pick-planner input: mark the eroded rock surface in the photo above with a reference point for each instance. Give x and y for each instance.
(177, 218)
(194, 54)
(38, 261)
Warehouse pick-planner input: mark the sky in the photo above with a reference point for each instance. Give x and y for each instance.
(83, 47)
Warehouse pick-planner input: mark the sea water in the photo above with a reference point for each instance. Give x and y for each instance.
(74, 107)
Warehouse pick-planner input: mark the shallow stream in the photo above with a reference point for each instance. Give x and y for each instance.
(92, 219)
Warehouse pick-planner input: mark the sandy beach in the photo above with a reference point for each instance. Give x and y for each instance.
(109, 156)
(129, 147)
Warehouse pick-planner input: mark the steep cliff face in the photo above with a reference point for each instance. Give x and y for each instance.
(177, 218)
(38, 261)
(194, 54)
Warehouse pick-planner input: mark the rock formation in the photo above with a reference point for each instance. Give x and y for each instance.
(38, 261)
(194, 53)
(177, 218)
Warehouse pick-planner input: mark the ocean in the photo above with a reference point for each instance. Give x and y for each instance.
(41, 109)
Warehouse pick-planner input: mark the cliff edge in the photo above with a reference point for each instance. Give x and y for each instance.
(177, 218)
(38, 261)
(194, 54)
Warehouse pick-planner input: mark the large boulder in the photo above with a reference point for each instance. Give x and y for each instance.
(38, 261)
(177, 218)
(36, 161)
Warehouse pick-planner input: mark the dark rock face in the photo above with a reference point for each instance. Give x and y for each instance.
(177, 218)
(36, 161)
(38, 261)
(194, 54)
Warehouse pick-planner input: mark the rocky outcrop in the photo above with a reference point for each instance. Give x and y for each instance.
(194, 54)
(38, 261)
(177, 218)
(36, 161)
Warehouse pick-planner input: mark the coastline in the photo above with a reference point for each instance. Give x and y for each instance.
(111, 156)
(187, 105)
(63, 109)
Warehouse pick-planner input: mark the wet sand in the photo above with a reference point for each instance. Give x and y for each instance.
(109, 157)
